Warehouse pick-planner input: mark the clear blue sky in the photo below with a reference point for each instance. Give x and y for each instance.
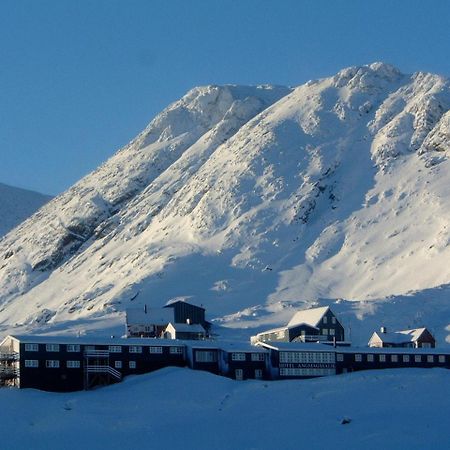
(79, 78)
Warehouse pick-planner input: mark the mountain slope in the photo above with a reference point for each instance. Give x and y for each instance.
(249, 198)
(16, 205)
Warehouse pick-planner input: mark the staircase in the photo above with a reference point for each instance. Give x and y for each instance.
(97, 370)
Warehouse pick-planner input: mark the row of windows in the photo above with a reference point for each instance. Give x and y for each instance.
(394, 358)
(309, 372)
(55, 364)
(112, 348)
(52, 363)
(205, 356)
(326, 331)
(306, 357)
(239, 356)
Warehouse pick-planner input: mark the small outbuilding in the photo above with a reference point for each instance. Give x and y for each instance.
(184, 331)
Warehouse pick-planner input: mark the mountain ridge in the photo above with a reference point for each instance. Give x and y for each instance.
(245, 196)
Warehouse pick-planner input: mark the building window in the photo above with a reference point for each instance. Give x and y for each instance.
(89, 348)
(73, 364)
(239, 374)
(406, 358)
(118, 364)
(31, 363)
(52, 347)
(325, 319)
(132, 364)
(115, 349)
(205, 356)
(394, 358)
(430, 358)
(73, 348)
(369, 358)
(418, 358)
(325, 331)
(238, 356)
(339, 357)
(258, 374)
(31, 347)
(426, 345)
(442, 359)
(358, 357)
(258, 357)
(156, 350)
(332, 332)
(175, 350)
(333, 320)
(52, 363)
(135, 349)
(382, 358)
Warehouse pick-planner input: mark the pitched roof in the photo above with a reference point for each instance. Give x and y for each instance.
(400, 337)
(149, 316)
(175, 301)
(308, 316)
(187, 328)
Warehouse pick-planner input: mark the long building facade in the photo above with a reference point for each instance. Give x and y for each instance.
(55, 363)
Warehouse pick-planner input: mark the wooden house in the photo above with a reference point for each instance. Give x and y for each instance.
(414, 338)
(311, 325)
(147, 322)
(185, 312)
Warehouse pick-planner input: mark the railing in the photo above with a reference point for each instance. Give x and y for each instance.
(96, 353)
(104, 369)
(9, 356)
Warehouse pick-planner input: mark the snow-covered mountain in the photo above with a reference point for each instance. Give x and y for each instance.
(16, 205)
(252, 200)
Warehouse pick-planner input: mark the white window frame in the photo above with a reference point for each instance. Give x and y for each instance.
(382, 358)
(358, 357)
(430, 358)
(156, 350)
(132, 364)
(115, 349)
(52, 347)
(394, 358)
(31, 363)
(135, 349)
(325, 320)
(339, 357)
(258, 374)
(117, 364)
(406, 358)
(205, 356)
(73, 364)
(258, 357)
(238, 356)
(370, 357)
(73, 348)
(176, 350)
(333, 320)
(324, 331)
(442, 359)
(31, 347)
(332, 332)
(52, 363)
(417, 358)
(239, 374)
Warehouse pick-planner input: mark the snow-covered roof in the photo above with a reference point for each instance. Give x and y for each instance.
(181, 300)
(400, 337)
(149, 316)
(187, 328)
(309, 317)
(93, 340)
(297, 346)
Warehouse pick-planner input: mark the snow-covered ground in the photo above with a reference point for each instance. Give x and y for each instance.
(16, 205)
(184, 409)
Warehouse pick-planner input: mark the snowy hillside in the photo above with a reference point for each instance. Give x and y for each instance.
(183, 409)
(249, 200)
(16, 205)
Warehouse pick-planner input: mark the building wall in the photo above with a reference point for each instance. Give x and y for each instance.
(248, 365)
(184, 311)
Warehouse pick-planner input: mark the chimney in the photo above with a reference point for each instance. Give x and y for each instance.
(383, 330)
(188, 321)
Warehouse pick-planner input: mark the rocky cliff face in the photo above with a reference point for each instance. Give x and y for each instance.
(245, 197)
